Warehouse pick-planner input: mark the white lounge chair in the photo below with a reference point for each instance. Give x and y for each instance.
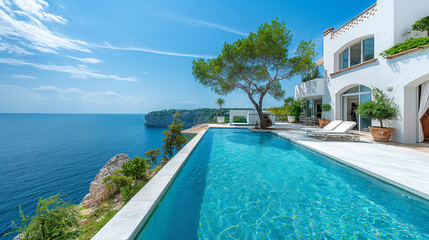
(341, 131)
(329, 127)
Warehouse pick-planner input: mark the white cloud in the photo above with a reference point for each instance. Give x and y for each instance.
(36, 9)
(53, 99)
(148, 50)
(87, 60)
(200, 23)
(10, 48)
(22, 22)
(98, 98)
(81, 71)
(19, 76)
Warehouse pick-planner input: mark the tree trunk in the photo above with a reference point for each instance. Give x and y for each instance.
(220, 110)
(261, 118)
(381, 123)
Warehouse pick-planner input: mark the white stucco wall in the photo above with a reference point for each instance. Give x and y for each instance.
(251, 116)
(392, 19)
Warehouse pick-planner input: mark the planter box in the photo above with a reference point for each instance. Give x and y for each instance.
(220, 119)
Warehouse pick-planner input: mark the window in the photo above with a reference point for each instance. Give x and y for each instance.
(357, 53)
(368, 49)
(344, 59)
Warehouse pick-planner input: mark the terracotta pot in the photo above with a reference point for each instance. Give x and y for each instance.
(323, 122)
(381, 134)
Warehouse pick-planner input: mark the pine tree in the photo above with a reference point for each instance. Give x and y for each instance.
(173, 139)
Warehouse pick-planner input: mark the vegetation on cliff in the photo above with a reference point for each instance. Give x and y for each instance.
(58, 219)
(164, 118)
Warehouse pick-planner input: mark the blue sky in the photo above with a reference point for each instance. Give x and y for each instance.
(107, 56)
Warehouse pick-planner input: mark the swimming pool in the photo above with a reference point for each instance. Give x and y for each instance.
(243, 185)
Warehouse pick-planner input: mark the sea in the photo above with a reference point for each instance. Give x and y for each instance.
(45, 154)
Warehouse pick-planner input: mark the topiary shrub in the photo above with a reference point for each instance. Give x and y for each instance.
(325, 108)
(381, 107)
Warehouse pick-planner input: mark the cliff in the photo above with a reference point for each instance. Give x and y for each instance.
(98, 192)
(190, 117)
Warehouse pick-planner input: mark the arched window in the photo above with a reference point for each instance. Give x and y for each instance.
(351, 100)
(357, 53)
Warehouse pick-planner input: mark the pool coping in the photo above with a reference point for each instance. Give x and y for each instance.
(127, 223)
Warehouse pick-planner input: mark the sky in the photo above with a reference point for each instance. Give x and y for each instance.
(109, 56)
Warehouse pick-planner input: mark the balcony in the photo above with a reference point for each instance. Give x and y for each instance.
(311, 89)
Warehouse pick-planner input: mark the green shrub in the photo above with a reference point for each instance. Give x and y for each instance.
(135, 168)
(129, 191)
(422, 25)
(96, 220)
(326, 108)
(239, 119)
(54, 219)
(381, 108)
(297, 108)
(407, 45)
(116, 181)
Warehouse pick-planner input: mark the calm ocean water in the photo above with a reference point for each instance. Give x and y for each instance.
(43, 154)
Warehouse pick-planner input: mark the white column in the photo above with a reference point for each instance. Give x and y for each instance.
(410, 130)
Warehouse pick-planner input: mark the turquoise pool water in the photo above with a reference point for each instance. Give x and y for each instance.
(243, 185)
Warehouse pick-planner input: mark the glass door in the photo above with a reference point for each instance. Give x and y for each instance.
(364, 122)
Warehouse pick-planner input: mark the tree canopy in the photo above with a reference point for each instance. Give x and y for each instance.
(256, 64)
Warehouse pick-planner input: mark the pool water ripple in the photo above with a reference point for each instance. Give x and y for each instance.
(259, 186)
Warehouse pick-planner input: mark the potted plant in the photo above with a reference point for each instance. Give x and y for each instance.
(220, 102)
(325, 108)
(288, 104)
(380, 108)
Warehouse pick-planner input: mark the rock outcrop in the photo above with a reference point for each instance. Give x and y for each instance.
(98, 192)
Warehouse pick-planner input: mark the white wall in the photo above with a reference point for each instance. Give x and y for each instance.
(407, 12)
(405, 73)
(237, 113)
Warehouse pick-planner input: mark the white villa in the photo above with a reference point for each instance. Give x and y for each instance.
(352, 65)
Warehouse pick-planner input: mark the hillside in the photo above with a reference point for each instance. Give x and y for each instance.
(192, 117)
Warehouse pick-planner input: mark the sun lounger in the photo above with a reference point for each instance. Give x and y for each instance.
(331, 126)
(341, 131)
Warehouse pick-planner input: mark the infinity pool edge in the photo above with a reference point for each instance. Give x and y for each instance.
(127, 223)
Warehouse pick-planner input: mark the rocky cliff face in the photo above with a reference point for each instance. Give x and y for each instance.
(164, 118)
(98, 191)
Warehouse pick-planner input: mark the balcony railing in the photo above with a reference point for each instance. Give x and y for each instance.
(311, 89)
